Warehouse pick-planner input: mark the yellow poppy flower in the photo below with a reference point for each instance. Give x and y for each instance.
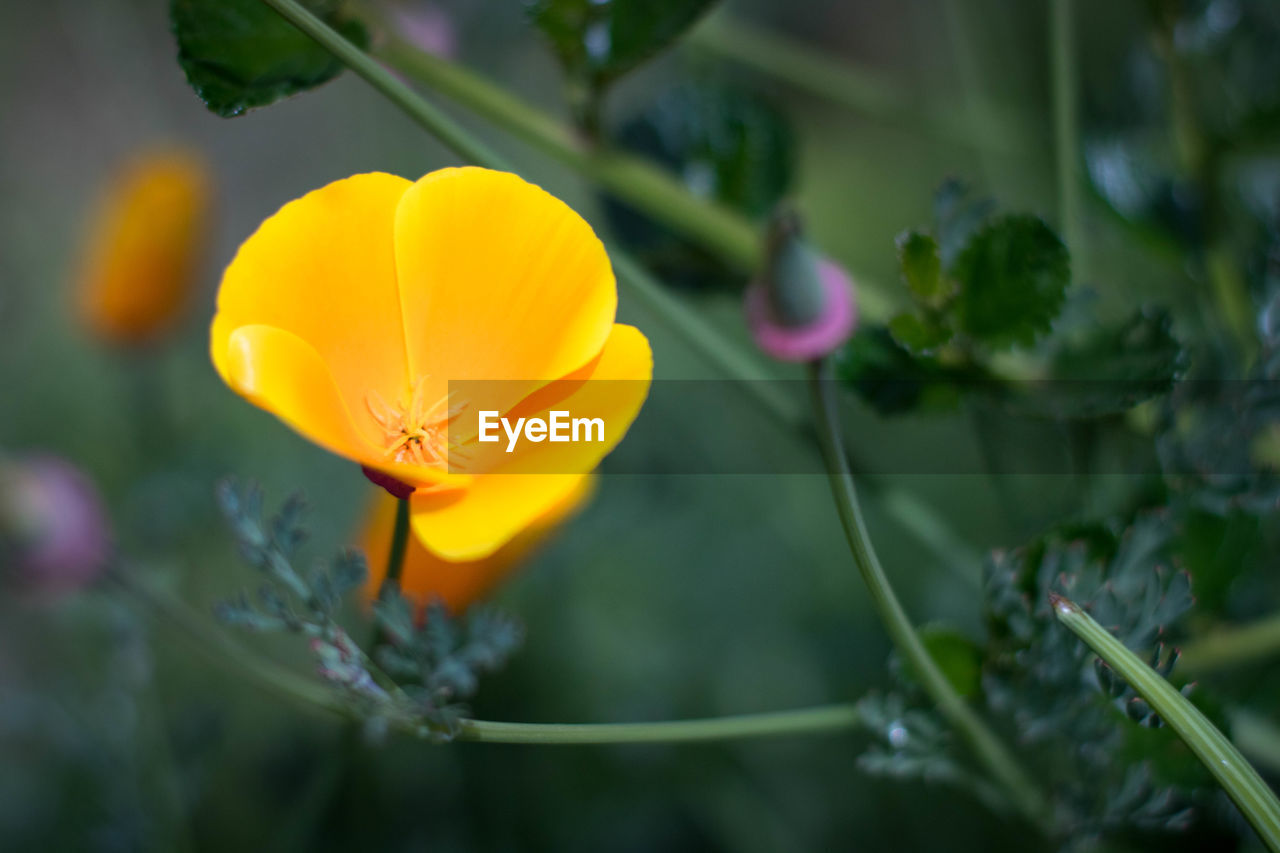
(425, 576)
(349, 312)
(144, 242)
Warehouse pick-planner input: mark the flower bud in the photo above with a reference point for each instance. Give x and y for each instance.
(142, 247)
(52, 524)
(801, 307)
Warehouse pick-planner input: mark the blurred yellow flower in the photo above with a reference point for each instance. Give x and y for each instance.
(349, 312)
(458, 584)
(144, 241)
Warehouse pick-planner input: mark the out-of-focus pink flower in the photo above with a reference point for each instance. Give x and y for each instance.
(53, 519)
(427, 27)
(802, 306)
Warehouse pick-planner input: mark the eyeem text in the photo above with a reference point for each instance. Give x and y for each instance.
(560, 427)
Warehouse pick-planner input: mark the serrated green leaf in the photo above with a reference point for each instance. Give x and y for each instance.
(598, 42)
(1013, 275)
(240, 54)
(919, 336)
(921, 266)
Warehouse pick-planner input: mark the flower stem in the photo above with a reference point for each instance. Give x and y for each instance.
(399, 545)
(1242, 783)
(1229, 647)
(999, 761)
(823, 719)
(221, 648)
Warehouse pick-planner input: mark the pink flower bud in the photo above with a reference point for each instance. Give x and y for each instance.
(53, 519)
(820, 335)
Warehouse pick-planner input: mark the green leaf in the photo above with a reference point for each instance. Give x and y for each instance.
(922, 266)
(1013, 276)
(919, 336)
(598, 42)
(240, 54)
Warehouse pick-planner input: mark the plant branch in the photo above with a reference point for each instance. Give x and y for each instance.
(1242, 783)
(997, 759)
(824, 719)
(222, 649)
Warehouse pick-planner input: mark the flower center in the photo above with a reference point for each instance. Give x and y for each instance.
(416, 432)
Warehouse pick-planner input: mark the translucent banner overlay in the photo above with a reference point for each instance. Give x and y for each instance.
(709, 427)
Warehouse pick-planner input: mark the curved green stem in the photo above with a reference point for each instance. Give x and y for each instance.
(999, 761)
(806, 721)
(1228, 647)
(1242, 783)
(222, 649)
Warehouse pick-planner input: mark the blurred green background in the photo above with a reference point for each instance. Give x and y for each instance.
(670, 596)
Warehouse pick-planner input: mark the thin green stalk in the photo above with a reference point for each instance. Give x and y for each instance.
(222, 649)
(864, 92)
(1066, 127)
(989, 749)
(399, 546)
(1228, 647)
(806, 721)
(1242, 783)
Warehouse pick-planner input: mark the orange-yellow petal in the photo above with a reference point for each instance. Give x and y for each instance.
(499, 280)
(278, 371)
(283, 374)
(323, 269)
(426, 576)
(611, 388)
(143, 246)
(509, 491)
(472, 523)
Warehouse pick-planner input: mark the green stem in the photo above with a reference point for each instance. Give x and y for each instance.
(220, 648)
(1228, 647)
(864, 92)
(825, 719)
(1066, 127)
(395, 554)
(999, 761)
(1242, 783)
